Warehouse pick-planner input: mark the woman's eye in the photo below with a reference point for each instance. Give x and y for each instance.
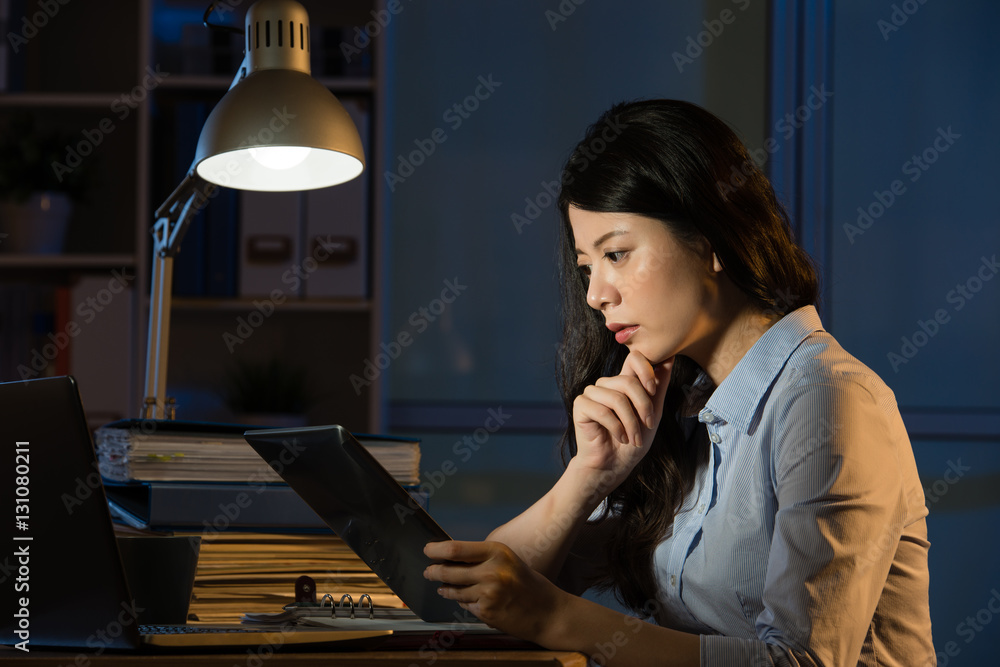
(584, 270)
(615, 256)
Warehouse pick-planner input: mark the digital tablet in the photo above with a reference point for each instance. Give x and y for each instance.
(360, 501)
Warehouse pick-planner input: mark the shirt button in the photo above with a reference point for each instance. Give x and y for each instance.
(673, 580)
(714, 437)
(701, 508)
(707, 416)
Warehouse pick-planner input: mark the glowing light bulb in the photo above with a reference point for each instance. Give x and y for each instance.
(280, 157)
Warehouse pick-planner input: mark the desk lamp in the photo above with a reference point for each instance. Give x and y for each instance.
(276, 129)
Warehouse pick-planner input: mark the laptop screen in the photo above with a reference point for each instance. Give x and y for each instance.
(61, 576)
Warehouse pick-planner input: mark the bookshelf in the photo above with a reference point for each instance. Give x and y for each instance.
(123, 99)
(15, 262)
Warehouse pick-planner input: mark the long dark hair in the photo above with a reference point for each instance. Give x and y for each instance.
(677, 163)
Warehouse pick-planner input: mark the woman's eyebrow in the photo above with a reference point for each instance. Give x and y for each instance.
(605, 237)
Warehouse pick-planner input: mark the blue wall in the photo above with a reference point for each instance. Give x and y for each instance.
(452, 217)
(493, 344)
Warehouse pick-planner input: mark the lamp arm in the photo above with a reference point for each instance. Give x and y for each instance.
(175, 213)
(172, 220)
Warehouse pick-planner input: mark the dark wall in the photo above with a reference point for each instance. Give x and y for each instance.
(895, 93)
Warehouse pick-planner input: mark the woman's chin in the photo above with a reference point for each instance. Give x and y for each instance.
(655, 357)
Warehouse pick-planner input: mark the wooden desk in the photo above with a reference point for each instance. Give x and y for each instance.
(12, 658)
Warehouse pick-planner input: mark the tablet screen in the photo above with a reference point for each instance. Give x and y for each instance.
(360, 501)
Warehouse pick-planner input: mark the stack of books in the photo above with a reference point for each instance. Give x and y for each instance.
(257, 535)
(193, 475)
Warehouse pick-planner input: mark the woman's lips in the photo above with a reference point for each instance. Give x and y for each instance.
(622, 335)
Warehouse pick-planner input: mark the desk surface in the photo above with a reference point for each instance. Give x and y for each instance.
(12, 658)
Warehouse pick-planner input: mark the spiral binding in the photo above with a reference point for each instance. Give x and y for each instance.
(351, 607)
(305, 604)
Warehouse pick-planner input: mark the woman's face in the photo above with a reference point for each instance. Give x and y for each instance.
(657, 294)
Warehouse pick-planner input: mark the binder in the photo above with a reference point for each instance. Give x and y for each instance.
(336, 229)
(206, 264)
(270, 247)
(216, 506)
(180, 505)
(221, 234)
(189, 264)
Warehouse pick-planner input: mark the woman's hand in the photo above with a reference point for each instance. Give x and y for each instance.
(616, 417)
(488, 580)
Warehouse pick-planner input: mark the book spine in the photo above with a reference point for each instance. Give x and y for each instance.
(219, 507)
(190, 261)
(222, 244)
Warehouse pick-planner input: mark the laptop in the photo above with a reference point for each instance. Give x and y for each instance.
(360, 501)
(62, 583)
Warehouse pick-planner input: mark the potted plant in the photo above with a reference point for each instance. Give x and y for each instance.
(36, 198)
(269, 393)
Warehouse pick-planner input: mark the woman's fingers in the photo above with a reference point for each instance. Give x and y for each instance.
(490, 581)
(453, 574)
(654, 378)
(624, 408)
(631, 406)
(459, 560)
(638, 395)
(609, 409)
(637, 366)
(467, 567)
(457, 550)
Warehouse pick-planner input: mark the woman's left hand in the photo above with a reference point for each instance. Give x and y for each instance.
(490, 581)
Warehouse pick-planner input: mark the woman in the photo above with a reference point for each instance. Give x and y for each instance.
(734, 475)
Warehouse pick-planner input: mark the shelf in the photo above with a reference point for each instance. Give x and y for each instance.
(222, 83)
(59, 267)
(83, 262)
(66, 262)
(347, 85)
(138, 165)
(293, 305)
(58, 100)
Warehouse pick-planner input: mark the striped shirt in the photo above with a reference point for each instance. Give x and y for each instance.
(804, 539)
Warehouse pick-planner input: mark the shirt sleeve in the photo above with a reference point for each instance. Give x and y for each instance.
(841, 510)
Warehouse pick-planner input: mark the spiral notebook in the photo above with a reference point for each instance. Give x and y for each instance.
(360, 615)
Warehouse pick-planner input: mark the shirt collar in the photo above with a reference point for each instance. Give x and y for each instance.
(738, 399)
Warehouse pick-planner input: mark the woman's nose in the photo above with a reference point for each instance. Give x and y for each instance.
(600, 292)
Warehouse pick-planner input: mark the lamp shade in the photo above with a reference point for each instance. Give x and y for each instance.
(273, 110)
(278, 129)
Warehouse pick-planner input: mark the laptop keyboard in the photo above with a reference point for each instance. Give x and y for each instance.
(192, 630)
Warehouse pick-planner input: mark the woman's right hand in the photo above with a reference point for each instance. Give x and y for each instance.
(616, 418)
